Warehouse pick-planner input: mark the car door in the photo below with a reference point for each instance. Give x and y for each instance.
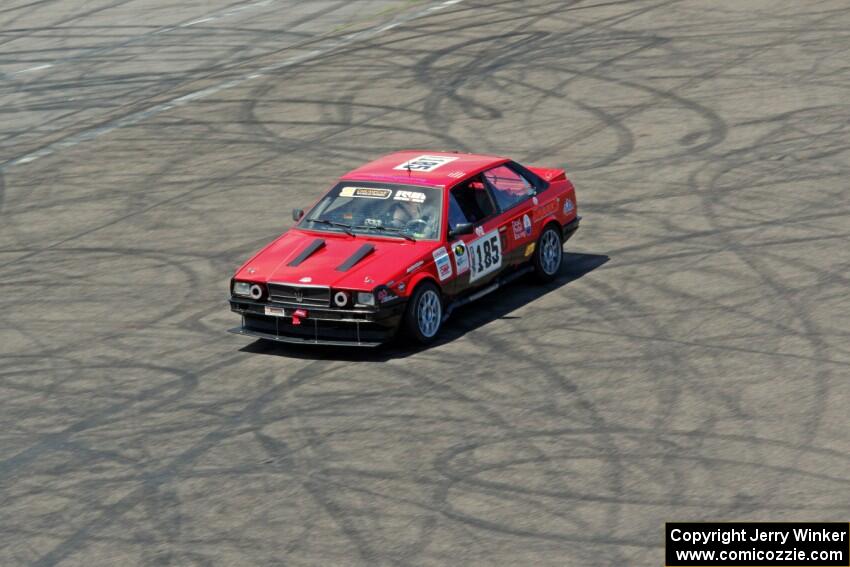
(513, 195)
(477, 256)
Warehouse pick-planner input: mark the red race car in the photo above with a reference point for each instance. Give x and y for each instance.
(399, 243)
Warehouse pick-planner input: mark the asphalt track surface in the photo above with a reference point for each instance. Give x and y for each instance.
(690, 363)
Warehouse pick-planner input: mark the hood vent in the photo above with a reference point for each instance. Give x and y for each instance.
(361, 253)
(307, 252)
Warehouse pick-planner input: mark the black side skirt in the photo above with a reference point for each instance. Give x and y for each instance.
(570, 229)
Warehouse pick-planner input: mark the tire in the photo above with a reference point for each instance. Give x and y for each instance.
(548, 254)
(424, 313)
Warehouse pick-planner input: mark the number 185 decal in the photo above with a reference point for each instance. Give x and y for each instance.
(485, 255)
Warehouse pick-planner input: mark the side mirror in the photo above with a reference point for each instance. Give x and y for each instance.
(297, 214)
(461, 229)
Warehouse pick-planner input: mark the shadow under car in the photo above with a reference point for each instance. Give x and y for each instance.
(496, 305)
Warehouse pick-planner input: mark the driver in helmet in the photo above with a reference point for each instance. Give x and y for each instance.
(412, 213)
(403, 212)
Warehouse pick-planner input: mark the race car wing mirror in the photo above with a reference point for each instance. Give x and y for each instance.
(461, 229)
(297, 214)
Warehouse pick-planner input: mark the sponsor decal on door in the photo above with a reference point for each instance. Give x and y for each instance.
(461, 257)
(485, 255)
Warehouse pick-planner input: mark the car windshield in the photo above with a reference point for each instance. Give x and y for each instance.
(403, 211)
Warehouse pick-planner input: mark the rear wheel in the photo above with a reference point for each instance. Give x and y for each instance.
(548, 254)
(424, 313)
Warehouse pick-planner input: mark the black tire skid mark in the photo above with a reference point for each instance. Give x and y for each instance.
(34, 5)
(333, 480)
(562, 387)
(712, 199)
(626, 315)
(718, 140)
(169, 391)
(465, 74)
(152, 482)
(176, 304)
(760, 268)
(320, 144)
(685, 446)
(21, 86)
(307, 455)
(171, 84)
(192, 193)
(62, 21)
(495, 419)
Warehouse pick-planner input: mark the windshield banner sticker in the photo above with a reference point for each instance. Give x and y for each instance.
(367, 192)
(413, 196)
(425, 163)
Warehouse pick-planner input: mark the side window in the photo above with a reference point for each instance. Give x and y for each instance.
(456, 215)
(472, 201)
(509, 187)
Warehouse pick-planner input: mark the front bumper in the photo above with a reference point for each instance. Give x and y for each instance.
(322, 326)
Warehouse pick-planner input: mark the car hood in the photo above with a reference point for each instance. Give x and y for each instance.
(387, 259)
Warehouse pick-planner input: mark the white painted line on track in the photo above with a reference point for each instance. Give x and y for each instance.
(141, 115)
(198, 21)
(36, 68)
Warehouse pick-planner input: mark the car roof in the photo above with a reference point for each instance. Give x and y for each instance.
(426, 167)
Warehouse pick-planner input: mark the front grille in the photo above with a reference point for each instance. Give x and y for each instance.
(313, 296)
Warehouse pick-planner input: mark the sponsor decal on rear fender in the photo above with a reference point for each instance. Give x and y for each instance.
(546, 209)
(521, 227)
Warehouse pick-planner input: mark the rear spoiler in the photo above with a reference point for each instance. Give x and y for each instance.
(549, 174)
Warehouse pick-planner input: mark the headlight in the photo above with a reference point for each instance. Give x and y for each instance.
(365, 298)
(340, 298)
(256, 292)
(242, 288)
(247, 289)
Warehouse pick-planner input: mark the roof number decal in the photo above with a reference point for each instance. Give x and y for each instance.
(425, 163)
(367, 192)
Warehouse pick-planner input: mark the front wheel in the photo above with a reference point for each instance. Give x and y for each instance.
(548, 254)
(424, 313)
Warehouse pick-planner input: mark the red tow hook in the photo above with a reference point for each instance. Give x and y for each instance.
(298, 315)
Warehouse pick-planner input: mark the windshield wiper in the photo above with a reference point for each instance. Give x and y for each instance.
(394, 230)
(345, 227)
